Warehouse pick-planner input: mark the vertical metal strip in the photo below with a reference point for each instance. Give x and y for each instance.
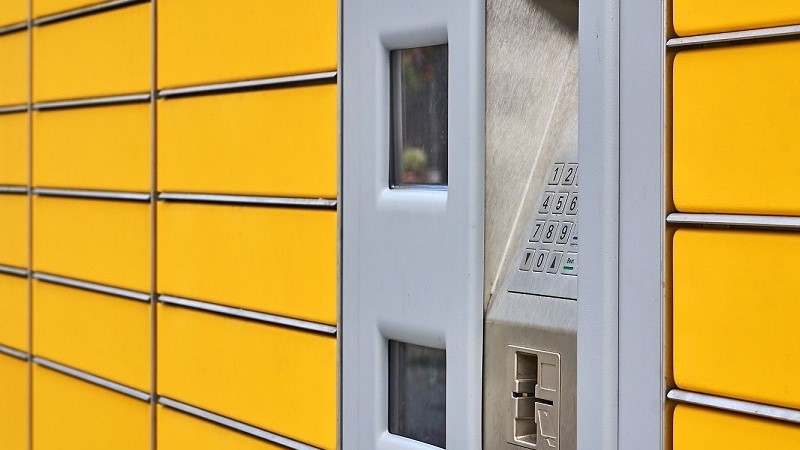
(29, 124)
(153, 223)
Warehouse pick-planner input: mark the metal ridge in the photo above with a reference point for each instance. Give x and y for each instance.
(734, 36)
(85, 11)
(248, 200)
(92, 101)
(87, 193)
(13, 108)
(93, 379)
(247, 314)
(317, 77)
(735, 220)
(739, 406)
(14, 353)
(11, 270)
(94, 287)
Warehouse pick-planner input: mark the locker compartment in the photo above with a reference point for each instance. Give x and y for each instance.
(72, 414)
(254, 39)
(14, 148)
(736, 315)
(47, 7)
(179, 431)
(100, 334)
(14, 311)
(696, 428)
(276, 260)
(279, 142)
(14, 230)
(276, 378)
(102, 241)
(735, 127)
(13, 403)
(693, 17)
(13, 12)
(101, 54)
(14, 70)
(93, 148)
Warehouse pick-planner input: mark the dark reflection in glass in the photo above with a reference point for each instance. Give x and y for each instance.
(419, 117)
(417, 392)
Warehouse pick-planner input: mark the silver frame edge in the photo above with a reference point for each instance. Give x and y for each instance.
(734, 405)
(734, 36)
(329, 76)
(11, 270)
(735, 220)
(93, 379)
(248, 200)
(92, 194)
(14, 353)
(93, 287)
(93, 101)
(85, 11)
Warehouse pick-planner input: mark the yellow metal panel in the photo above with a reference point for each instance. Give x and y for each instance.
(277, 378)
(736, 314)
(13, 403)
(713, 16)
(277, 260)
(96, 55)
(178, 431)
(14, 230)
(93, 148)
(14, 312)
(696, 428)
(104, 335)
(735, 126)
(72, 414)
(13, 11)
(253, 39)
(46, 7)
(102, 241)
(14, 69)
(278, 142)
(14, 148)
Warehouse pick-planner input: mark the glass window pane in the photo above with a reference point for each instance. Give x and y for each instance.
(417, 392)
(419, 117)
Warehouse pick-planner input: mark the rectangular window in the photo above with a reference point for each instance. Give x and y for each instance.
(419, 117)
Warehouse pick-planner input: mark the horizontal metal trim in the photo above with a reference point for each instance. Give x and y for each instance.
(95, 101)
(247, 314)
(94, 287)
(83, 193)
(733, 36)
(234, 424)
(739, 406)
(19, 354)
(249, 84)
(94, 379)
(248, 200)
(13, 28)
(735, 220)
(85, 11)
(13, 189)
(13, 109)
(11, 270)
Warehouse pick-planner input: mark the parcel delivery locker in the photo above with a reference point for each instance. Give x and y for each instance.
(530, 325)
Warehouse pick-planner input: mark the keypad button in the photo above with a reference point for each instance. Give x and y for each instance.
(540, 260)
(527, 260)
(553, 262)
(570, 173)
(570, 264)
(560, 202)
(572, 204)
(563, 232)
(556, 173)
(550, 231)
(574, 239)
(538, 229)
(547, 202)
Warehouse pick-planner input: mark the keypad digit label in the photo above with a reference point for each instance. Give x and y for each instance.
(550, 232)
(540, 260)
(547, 201)
(563, 232)
(569, 174)
(555, 175)
(572, 204)
(561, 202)
(538, 229)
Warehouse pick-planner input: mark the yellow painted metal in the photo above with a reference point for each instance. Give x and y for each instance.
(693, 17)
(93, 148)
(276, 260)
(14, 230)
(96, 55)
(102, 241)
(13, 11)
(47, 7)
(100, 334)
(71, 414)
(14, 148)
(14, 69)
(14, 311)
(696, 428)
(13, 403)
(736, 314)
(277, 378)
(178, 431)
(279, 142)
(251, 39)
(735, 126)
